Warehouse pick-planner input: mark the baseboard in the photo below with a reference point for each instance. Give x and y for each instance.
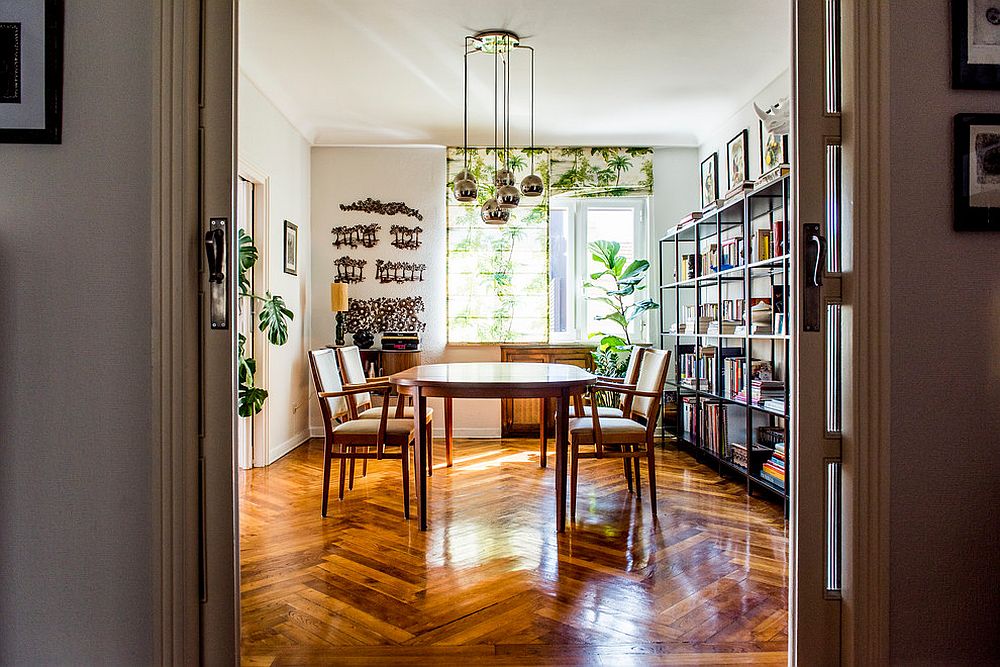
(289, 445)
(316, 432)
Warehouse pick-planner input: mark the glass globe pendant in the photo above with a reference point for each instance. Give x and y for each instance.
(531, 186)
(508, 196)
(492, 214)
(504, 177)
(465, 188)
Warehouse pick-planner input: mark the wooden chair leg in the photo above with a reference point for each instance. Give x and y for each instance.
(406, 481)
(364, 463)
(350, 481)
(343, 469)
(327, 458)
(628, 473)
(543, 441)
(651, 473)
(638, 478)
(448, 420)
(574, 475)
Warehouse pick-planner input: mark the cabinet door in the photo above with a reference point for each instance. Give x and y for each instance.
(519, 416)
(581, 358)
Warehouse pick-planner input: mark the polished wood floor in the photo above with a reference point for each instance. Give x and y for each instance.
(492, 582)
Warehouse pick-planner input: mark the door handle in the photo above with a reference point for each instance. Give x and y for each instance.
(814, 263)
(216, 242)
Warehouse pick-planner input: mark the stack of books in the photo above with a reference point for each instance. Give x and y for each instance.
(775, 404)
(732, 377)
(764, 390)
(739, 452)
(724, 327)
(694, 371)
(773, 470)
(689, 267)
(689, 411)
(713, 432)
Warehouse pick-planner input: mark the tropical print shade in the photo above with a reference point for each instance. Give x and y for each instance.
(498, 275)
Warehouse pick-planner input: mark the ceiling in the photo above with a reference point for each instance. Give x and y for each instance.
(632, 72)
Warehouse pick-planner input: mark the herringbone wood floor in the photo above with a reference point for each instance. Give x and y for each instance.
(491, 581)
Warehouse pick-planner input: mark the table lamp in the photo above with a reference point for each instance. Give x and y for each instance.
(338, 304)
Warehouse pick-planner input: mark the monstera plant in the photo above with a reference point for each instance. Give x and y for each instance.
(273, 317)
(616, 285)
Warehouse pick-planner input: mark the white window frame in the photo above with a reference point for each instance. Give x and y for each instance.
(578, 255)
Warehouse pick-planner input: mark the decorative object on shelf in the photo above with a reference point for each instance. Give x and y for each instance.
(505, 193)
(291, 246)
(370, 205)
(773, 149)
(975, 52)
(777, 117)
(385, 314)
(350, 270)
(354, 235)
(339, 303)
(364, 339)
(406, 238)
(709, 180)
(31, 72)
(736, 160)
(399, 272)
(977, 172)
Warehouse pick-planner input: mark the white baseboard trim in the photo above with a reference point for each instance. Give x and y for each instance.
(316, 432)
(288, 445)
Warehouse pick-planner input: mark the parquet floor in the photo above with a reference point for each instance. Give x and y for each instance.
(492, 582)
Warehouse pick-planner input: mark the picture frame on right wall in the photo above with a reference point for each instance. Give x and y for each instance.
(977, 172)
(773, 149)
(709, 180)
(975, 51)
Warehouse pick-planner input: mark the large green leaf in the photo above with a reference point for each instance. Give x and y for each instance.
(613, 343)
(624, 290)
(639, 307)
(614, 317)
(247, 258)
(634, 272)
(605, 252)
(250, 400)
(273, 319)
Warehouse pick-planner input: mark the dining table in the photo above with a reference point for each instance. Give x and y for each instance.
(493, 380)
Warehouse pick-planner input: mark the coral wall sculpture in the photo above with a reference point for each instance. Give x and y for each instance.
(355, 235)
(350, 270)
(406, 238)
(388, 208)
(399, 272)
(385, 314)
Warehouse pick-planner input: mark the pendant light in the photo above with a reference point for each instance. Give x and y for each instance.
(496, 210)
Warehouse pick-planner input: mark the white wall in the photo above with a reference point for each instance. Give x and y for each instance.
(271, 148)
(75, 391)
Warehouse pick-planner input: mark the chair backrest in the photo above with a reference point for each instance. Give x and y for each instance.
(652, 376)
(632, 370)
(326, 376)
(352, 370)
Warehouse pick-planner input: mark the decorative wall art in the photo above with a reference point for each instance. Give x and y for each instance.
(399, 272)
(291, 248)
(354, 235)
(350, 270)
(385, 314)
(709, 180)
(975, 52)
(388, 208)
(406, 238)
(773, 149)
(31, 71)
(736, 160)
(977, 172)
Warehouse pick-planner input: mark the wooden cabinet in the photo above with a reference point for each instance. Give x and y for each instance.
(520, 416)
(387, 362)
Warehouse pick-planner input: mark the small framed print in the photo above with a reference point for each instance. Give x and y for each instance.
(975, 52)
(709, 180)
(773, 149)
(31, 71)
(977, 172)
(291, 248)
(736, 162)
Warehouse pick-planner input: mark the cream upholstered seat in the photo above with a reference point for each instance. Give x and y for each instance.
(628, 380)
(627, 437)
(602, 411)
(356, 438)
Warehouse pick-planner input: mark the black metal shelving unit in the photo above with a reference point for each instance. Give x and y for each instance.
(742, 216)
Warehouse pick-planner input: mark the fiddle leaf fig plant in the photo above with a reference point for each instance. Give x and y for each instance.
(272, 320)
(616, 285)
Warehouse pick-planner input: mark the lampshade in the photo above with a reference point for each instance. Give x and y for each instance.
(338, 297)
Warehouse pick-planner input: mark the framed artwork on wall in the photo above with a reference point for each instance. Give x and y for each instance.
(291, 248)
(975, 39)
(773, 149)
(736, 160)
(977, 172)
(31, 71)
(709, 180)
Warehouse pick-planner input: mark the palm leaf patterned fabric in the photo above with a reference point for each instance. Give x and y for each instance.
(498, 276)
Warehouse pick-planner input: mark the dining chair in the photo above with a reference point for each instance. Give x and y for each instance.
(629, 437)
(361, 406)
(353, 438)
(627, 381)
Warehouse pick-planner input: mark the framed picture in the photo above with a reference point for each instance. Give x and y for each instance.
(31, 70)
(975, 39)
(291, 248)
(773, 149)
(736, 161)
(977, 172)
(709, 180)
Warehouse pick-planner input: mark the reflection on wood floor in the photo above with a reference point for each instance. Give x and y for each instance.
(491, 581)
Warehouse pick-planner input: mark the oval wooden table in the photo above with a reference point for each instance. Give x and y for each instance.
(494, 380)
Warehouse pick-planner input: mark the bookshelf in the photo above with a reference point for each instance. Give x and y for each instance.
(724, 276)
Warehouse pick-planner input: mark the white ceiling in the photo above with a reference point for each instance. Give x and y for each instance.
(624, 72)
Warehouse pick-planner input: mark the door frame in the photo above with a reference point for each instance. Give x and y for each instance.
(176, 256)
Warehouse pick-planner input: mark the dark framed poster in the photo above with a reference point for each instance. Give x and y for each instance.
(291, 248)
(975, 44)
(31, 71)
(977, 172)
